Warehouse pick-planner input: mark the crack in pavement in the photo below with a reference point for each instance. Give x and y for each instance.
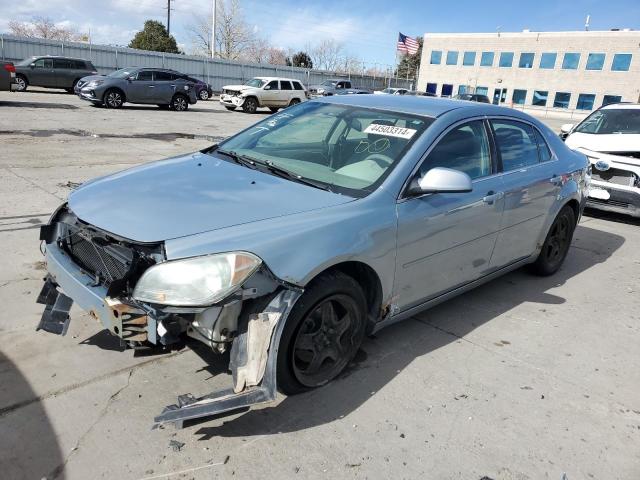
(32, 183)
(4, 411)
(55, 473)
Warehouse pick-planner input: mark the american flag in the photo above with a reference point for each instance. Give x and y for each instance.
(407, 44)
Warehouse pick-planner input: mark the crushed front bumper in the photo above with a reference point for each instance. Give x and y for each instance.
(231, 100)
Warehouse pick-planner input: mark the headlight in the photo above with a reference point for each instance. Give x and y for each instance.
(196, 281)
(94, 83)
(321, 90)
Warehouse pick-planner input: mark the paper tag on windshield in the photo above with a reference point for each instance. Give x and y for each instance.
(390, 131)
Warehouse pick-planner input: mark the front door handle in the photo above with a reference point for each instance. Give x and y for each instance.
(152, 86)
(492, 196)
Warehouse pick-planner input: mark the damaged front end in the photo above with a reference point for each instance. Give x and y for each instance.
(103, 274)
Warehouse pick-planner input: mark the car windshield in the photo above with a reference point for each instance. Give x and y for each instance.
(26, 61)
(608, 121)
(345, 148)
(328, 83)
(388, 90)
(122, 73)
(255, 82)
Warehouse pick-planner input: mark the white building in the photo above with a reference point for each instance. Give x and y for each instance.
(558, 70)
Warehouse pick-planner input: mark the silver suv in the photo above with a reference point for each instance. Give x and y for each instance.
(271, 92)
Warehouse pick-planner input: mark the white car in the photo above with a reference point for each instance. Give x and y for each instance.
(271, 92)
(392, 91)
(610, 138)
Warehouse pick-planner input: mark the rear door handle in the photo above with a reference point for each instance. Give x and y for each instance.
(492, 196)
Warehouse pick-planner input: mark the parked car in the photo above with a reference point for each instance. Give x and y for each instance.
(155, 86)
(472, 97)
(52, 72)
(329, 87)
(610, 138)
(7, 76)
(392, 91)
(291, 240)
(203, 89)
(271, 92)
(354, 91)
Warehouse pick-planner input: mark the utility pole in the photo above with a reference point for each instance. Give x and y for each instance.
(169, 17)
(213, 29)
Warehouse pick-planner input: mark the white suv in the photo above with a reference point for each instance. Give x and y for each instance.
(610, 138)
(271, 92)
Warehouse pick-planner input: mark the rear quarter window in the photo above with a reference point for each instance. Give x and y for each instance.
(297, 86)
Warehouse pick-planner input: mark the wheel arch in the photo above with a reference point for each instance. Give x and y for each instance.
(255, 97)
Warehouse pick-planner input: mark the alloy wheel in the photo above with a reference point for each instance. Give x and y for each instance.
(204, 95)
(558, 240)
(114, 100)
(326, 340)
(180, 104)
(21, 85)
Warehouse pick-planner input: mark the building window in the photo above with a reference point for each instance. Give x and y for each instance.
(482, 90)
(452, 58)
(519, 97)
(540, 98)
(469, 59)
(548, 60)
(526, 60)
(486, 60)
(506, 59)
(607, 99)
(562, 100)
(621, 62)
(436, 57)
(462, 89)
(595, 61)
(447, 90)
(570, 61)
(585, 101)
(432, 88)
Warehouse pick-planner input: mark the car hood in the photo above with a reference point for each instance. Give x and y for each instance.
(238, 88)
(604, 143)
(188, 195)
(93, 77)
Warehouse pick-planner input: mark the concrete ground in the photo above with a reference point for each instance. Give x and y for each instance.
(523, 378)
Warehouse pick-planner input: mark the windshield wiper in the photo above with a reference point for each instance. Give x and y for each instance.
(239, 159)
(284, 173)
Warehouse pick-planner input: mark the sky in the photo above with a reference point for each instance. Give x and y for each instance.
(367, 28)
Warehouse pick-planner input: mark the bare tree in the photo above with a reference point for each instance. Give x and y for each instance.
(327, 55)
(43, 27)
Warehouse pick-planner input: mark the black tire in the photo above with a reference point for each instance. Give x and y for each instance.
(203, 95)
(113, 98)
(73, 87)
(21, 83)
(179, 103)
(323, 333)
(294, 101)
(556, 245)
(250, 105)
(231, 109)
(274, 109)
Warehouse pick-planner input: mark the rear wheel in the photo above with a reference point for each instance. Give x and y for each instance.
(179, 103)
(250, 105)
(556, 245)
(294, 101)
(113, 98)
(21, 83)
(204, 94)
(323, 333)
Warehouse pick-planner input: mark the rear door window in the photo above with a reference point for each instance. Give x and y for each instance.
(62, 63)
(160, 76)
(516, 144)
(465, 148)
(285, 85)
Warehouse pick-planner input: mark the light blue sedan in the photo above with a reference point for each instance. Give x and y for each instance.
(291, 240)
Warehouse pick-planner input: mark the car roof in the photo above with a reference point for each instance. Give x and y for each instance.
(621, 106)
(277, 78)
(60, 56)
(419, 105)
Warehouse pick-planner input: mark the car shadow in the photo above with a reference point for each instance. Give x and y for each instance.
(394, 348)
(611, 216)
(62, 106)
(28, 440)
(37, 90)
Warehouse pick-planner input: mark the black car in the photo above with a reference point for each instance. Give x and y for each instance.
(52, 72)
(155, 86)
(472, 97)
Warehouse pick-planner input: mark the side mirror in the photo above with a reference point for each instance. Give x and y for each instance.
(268, 87)
(441, 180)
(566, 128)
(33, 65)
(131, 78)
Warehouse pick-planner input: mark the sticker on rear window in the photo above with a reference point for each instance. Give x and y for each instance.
(390, 131)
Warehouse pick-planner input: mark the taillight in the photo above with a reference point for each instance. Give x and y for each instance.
(9, 67)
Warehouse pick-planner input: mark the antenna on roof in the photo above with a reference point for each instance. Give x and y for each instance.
(586, 23)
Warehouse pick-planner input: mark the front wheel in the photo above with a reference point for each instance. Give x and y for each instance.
(204, 95)
(250, 105)
(294, 101)
(179, 103)
(21, 83)
(113, 98)
(556, 245)
(323, 333)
